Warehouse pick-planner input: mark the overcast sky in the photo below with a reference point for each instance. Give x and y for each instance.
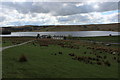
(57, 13)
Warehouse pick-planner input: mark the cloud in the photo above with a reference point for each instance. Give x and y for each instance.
(48, 19)
(89, 18)
(59, 1)
(59, 8)
(57, 13)
(2, 18)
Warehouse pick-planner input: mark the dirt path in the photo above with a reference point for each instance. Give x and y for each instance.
(3, 48)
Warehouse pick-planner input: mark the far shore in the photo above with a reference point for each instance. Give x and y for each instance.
(51, 28)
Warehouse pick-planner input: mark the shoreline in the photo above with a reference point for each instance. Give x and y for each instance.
(64, 33)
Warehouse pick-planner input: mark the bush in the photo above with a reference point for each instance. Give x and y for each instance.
(23, 58)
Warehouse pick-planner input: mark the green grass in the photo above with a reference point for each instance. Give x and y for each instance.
(6, 43)
(114, 39)
(41, 64)
(0, 44)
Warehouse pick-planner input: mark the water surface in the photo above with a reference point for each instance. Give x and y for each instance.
(65, 33)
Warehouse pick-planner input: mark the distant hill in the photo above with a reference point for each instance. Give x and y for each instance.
(92, 27)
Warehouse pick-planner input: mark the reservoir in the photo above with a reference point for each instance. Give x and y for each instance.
(63, 33)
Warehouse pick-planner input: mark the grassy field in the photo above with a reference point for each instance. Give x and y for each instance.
(55, 59)
(112, 39)
(8, 41)
(16, 40)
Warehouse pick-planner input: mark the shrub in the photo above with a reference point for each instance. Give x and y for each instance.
(23, 58)
(107, 63)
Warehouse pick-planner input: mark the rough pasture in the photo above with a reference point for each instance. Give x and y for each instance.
(46, 58)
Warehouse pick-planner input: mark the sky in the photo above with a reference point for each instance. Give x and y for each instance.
(22, 12)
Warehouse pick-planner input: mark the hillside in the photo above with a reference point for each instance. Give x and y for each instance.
(98, 27)
(92, 27)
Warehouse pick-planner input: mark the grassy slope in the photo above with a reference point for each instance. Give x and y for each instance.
(91, 27)
(97, 27)
(42, 64)
(8, 41)
(113, 39)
